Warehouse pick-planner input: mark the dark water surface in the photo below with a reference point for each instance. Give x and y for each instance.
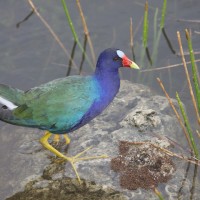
(29, 55)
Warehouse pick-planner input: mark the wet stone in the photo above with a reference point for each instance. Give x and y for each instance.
(135, 115)
(143, 119)
(65, 189)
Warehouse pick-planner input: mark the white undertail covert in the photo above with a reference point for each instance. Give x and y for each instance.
(9, 104)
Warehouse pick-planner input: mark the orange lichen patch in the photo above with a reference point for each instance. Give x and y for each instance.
(142, 166)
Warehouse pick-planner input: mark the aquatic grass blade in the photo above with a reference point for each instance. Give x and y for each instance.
(188, 78)
(74, 32)
(194, 69)
(176, 112)
(187, 124)
(83, 55)
(155, 26)
(148, 55)
(145, 25)
(162, 24)
(168, 41)
(131, 39)
(86, 31)
(50, 30)
(164, 8)
(71, 58)
(69, 20)
(145, 32)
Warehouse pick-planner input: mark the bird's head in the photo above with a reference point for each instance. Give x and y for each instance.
(112, 59)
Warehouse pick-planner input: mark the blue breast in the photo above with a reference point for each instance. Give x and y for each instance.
(106, 88)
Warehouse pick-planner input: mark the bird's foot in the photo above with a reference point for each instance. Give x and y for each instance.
(79, 157)
(72, 160)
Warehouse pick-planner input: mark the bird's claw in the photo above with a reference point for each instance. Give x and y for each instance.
(78, 158)
(72, 160)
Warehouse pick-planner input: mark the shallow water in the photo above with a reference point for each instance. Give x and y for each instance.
(29, 55)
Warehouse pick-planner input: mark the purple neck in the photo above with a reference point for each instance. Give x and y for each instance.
(109, 82)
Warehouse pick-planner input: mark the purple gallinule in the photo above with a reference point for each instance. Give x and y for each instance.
(65, 104)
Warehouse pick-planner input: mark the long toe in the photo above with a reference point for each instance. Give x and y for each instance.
(76, 158)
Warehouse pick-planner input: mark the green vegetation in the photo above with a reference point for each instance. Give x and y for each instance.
(74, 31)
(145, 26)
(188, 127)
(194, 69)
(194, 99)
(164, 8)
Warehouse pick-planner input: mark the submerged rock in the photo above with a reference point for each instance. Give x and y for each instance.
(66, 189)
(135, 115)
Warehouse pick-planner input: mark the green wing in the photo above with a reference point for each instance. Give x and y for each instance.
(57, 105)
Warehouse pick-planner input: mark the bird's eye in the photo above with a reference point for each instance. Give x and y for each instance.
(116, 58)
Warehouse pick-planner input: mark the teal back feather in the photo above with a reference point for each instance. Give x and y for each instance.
(58, 105)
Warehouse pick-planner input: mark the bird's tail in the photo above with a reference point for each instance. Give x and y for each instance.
(10, 98)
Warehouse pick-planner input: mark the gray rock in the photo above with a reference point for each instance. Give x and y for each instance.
(135, 115)
(142, 119)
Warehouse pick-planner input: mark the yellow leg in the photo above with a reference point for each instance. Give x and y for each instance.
(67, 139)
(72, 160)
(56, 138)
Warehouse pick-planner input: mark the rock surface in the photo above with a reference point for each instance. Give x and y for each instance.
(135, 115)
(142, 164)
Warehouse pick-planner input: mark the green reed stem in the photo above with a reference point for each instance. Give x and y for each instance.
(157, 35)
(145, 25)
(194, 69)
(155, 26)
(70, 20)
(74, 31)
(164, 8)
(187, 124)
